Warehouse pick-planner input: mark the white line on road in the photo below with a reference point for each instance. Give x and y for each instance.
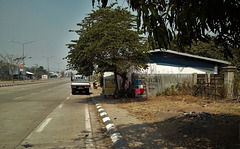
(68, 98)
(18, 97)
(43, 125)
(89, 141)
(60, 106)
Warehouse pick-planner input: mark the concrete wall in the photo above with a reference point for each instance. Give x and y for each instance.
(158, 83)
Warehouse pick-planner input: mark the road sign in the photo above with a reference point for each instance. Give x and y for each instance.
(21, 67)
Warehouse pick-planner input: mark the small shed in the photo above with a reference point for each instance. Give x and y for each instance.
(108, 83)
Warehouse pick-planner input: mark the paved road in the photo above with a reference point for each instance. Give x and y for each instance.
(46, 115)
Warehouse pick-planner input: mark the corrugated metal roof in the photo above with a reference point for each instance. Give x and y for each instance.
(189, 55)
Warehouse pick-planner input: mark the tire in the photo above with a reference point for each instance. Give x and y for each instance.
(87, 91)
(73, 92)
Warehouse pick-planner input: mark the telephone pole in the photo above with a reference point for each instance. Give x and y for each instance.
(48, 57)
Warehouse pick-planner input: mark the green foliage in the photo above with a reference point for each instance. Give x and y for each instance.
(188, 26)
(108, 41)
(186, 21)
(38, 72)
(169, 91)
(211, 50)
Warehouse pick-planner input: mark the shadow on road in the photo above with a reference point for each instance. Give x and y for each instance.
(81, 93)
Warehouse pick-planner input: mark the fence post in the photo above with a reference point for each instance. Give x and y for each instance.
(228, 79)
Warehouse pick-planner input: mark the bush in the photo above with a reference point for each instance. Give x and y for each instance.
(168, 91)
(236, 85)
(195, 90)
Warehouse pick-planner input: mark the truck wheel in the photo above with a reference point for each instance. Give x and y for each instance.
(87, 91)
(73, 92)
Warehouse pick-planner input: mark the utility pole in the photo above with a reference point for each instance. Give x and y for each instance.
(23, 49)
(22, 46)
(48, 57)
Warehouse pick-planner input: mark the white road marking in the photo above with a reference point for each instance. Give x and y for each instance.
(89, 141)
(68, 98)
(18, 97)
(60, 106)
(43, 125)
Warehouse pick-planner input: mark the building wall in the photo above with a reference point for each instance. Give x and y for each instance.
(167, 63)
(165, 69)
(157, 83)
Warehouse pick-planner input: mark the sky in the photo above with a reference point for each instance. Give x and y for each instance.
(47, 24)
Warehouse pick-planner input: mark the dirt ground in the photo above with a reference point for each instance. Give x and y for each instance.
(190, 122)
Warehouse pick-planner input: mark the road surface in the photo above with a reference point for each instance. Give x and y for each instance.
(46, 115)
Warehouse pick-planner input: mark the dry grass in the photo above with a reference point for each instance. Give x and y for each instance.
(147, 109)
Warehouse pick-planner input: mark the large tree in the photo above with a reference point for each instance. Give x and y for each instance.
(187, 20)
(108, 41)
(11, 61)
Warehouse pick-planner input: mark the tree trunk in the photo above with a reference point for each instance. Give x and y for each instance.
(116, 84)
(12, 76)
(123, 89)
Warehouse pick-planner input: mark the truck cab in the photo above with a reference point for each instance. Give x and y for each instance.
(80, 83)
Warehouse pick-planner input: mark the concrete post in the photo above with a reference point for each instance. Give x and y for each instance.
(194, 79)
(207, 78)
(147, 85)
(228, 79)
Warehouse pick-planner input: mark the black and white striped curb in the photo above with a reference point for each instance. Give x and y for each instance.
(117, 139)
(5, 85)
(23, 83)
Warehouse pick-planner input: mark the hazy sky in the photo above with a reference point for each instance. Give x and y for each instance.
(45, 21)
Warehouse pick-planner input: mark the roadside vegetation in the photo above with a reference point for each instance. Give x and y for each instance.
(204, 28)
(110, 37)
(108, 41)
(9, 65)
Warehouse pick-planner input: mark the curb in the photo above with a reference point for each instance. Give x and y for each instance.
(6, 85)
(117, 139)
(17, 84)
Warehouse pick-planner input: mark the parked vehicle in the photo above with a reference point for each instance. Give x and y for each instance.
(80, 83)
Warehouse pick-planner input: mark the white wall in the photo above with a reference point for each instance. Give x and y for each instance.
(163, 69)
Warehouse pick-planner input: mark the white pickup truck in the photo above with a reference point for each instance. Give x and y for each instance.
(80, 83)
